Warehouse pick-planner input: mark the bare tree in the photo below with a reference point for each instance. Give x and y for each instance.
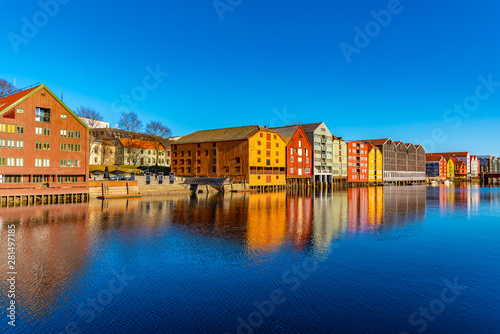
(130, 122)
(157, 133)
(94, 119)
(6, 88)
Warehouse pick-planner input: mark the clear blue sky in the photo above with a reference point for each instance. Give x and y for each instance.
(271, 55)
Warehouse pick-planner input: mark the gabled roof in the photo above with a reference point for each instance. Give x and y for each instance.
(310, 127)
(431, 158)
(286, 132)
(137, 143)
(377, 142)
(453, 154)
(226, 134)
(9, 102)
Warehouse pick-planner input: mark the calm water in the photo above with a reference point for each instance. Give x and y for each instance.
(367, 260)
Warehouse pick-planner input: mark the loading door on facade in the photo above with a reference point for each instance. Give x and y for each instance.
(268, 179)
(300, 171)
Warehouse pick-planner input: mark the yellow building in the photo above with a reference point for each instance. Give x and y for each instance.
(375, 165)
(266, 158)
(450, 169)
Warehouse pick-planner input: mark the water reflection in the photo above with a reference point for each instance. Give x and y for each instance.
(58, 245)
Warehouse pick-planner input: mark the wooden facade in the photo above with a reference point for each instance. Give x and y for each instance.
(299, 154)
(250, 154)
(357, 157)
(41, 140)
(375, 164)
(460, 156)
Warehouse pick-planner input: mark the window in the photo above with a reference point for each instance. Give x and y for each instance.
(277, 144)
(277, 161)
(275, 136)
(258, 160)
(291, 170)
(46, 146)
(78, 148)
(71, 134)
(39, 131)
(214, 145)
(70, 147)
(277, 153)
(10, 162)
(214, 169)
(20, 144)
(63, 162)
(11, 143)
(20, 129)
(2, 161)
(300, 143)
(258, 152)
(268, 145)
(238, 160)
(19, 162)
(259, 143)
(291, 159)
(78, 134)
(63, 147)
(46, 162)
(38, 163)
(268, 162)
(261, 135)
(2, 143)
(268, 136)
(64, 116)
(42, 115)
(38, 145)
(46, 131)
(64, 133)
(20, 111)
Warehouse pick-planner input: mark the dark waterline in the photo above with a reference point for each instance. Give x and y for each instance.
(363, 260)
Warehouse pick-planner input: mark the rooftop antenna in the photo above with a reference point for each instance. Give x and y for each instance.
(62, 96)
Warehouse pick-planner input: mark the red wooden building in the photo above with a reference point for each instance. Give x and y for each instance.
(298, 154)
(41, 140)
(436, 166)
(357, 161)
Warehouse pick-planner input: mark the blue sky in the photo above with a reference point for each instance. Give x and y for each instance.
(271, 62)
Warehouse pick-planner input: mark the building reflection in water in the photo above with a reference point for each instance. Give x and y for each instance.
(458, 197)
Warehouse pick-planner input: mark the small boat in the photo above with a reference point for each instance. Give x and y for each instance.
(446, 182)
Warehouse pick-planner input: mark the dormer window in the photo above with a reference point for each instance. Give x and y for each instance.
(42, 115)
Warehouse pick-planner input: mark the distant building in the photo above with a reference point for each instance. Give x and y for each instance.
(252, 154)
(474, 166)
(138, 152)
(321, 140)
(488, 164)
(299, 154)
(436, 167)
(94, 123)
(402, 162)
(460, 168)
(460, 156)
(339, 156)
(357, 165)
(102, 152)
(41, 139)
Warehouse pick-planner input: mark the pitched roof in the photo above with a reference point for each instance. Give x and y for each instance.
(226, 134)
(431, 158)
(376, 142)
(286, 132)
(13, 100)
(453, 154)
(310, 127)
(137, 143)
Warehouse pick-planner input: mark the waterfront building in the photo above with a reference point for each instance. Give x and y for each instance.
(488, 164)
(460, 168)
(138, 152)
(41, 139)
(474, 166)
(436, 167)
(357, 165)
(251, 154)
(375, 164)
(450, 168)
(401, 162)
(460, 156)
(321, 140)
(339, 154)
(298, 154)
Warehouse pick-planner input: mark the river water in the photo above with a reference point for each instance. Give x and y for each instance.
(364, 260)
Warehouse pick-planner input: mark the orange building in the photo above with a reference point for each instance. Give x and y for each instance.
(436, 166)
(41, 139)
(357, 161)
